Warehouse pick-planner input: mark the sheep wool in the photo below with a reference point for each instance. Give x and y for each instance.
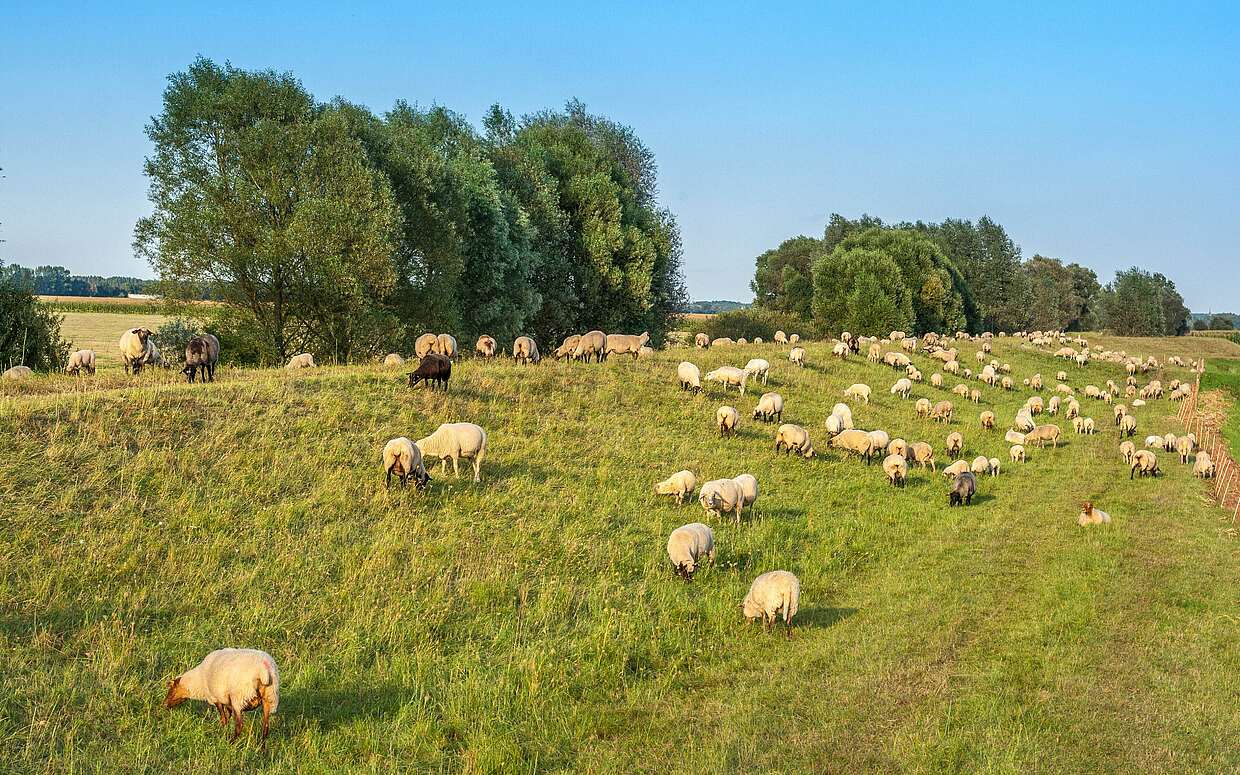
(688, 545)
(455, 441)
(772, 594)
(81, 361)
(689, 376)
(680, 484)
(234, 681)
(727, 418)
(722, 496)
(402, 458)
(300, 361)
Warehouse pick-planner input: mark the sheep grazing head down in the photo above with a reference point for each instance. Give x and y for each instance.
(176, 694)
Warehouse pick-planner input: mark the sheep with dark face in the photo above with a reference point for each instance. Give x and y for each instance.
(402, 458)
(963, 488)
(435, 369)
(201, 353)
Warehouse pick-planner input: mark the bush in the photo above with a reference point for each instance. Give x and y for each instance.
(755, 322)
(29, 330)
(173, 336)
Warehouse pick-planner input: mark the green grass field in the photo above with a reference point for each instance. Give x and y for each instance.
(101, 331)
(531, 623)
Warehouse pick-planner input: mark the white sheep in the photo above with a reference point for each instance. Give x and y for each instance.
(896, 468)
(1091, 516)
(234, 681)
(135, 349)
(922, 407)
(445, 345)
(722, 496)
(902, 387)
(300, 361)
(487, 347)
(525, 350)
(793, 438)
(689, 376)
(688, 545)
(729, 375)
(456, 440)
(680, 484)
(994, 464)
(403, 458)
(770, 407)
(393, 359)
(923, 453)
(1017, 453)
(844, 412)
(81, 361)
(1203, 466)
(980, 465)
(726, 419)
(1127, 450)
(797, 356)
(749, 489)
(758, 367)
(424, 344)
(771, 594)
(858, 391)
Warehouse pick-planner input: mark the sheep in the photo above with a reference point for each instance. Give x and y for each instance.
(1073, 410)
(758, 367)
(1007, 383)
(722, 496)
(1168, 443)
(393, 359)
(896, 468)
(591, 344)
(952, 367)
(770, 407)
(975, 395)
(1091, 516)
(914, 374)
(770, 594)
(445, 345)
(722, 341)
(487, 347)
(81, 361)
(201, 353)
(936, 380)
(726, 419)
(794, 438)
(896, 360)
(1145, 463)
(403, 458)
(922, 407)
(942, 412)
(729, 375)
(880, 439)
(620, 344)
(898, 447)
(993, 465)
(568, 347)
(1017, 453)
(1034, 404)
(1126, 451)
(963, 488)
(987, 419)
(1184, 446)
(749, 488)
(1153, 441)
(856, 441)
(1024, 421)
(1014, 437)
(686, 547)
(1128, 425)
(1203, 466)
(780, 338)
(1078, 424)
(1035, 382)
(875, 352)
(17, 373)
(961, 390)
(701, 341)
(134, 350)
(1088, 426)
(793, 339)
(843, 412)
(426, 343)
(955, 444)
(300, 361)
(525, 350)
(858, 391)
(689, 376)
(679, 484)
(840, 350)
(834, 424)
(742, 340)
(436, 369)
(902, 387)
(797, 355)
(234, 681)
(923, 453)
(456, 440)
(1052, 406)
(757, 340)
(980, 465)
(1044, 433)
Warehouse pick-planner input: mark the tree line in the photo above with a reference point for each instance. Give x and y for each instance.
(59, 281)
(865, 275)
(326, 227)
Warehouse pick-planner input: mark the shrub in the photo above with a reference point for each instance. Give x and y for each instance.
(174, 335)
(754, 322)
(29, 330)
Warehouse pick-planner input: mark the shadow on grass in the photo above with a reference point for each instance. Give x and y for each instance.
(822, 617)
(338, 707)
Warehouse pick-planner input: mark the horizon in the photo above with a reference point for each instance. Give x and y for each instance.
(1102, 141)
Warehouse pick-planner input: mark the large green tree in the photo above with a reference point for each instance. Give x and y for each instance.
(1140, 303)
(861, 290)
(29, 330)
(269, 198)
(991, 265)
(1063, 297)
(783, 278)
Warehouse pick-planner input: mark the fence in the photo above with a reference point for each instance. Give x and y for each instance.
(1226, 479)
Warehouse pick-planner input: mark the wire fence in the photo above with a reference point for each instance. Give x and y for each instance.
(1226, 480)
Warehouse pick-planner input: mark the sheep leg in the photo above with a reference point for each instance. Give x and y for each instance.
(240, 721)
(456, 466)
(224, 712)
(478, 467)
(267, 705)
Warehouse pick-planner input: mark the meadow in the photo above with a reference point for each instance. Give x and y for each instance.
(532, 623)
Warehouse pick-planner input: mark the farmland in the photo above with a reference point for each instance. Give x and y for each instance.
(531, 622)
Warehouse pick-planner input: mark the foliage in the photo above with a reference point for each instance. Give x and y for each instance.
(58, 281)
(107, 304)
(990, 263)
(173, 335)
(713, 306)
(29, 330)
(862, 291)
(783, 279)
(756, 322)
(1138, 303)
(1063, 297)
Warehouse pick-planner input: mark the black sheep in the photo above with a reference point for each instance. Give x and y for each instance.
(435, 369)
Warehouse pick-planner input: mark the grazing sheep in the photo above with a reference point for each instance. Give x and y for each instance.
(1035, 382)
(729, 375)
(1088, 426)
(794, 339)
(880, 439)
(1044, 433)
(963, 488)
(726, 419)
(1007, 383)
(722, 341)
(525, 350)
(591, 344)
(980, 465)
(1091, 516)
(757, 340)
(81, 361)
(770, 407)
(961, 390)
(835, 425)
(845, 414)
(902, 387)
(1078, 424)
(942, 412)
(403, 458)
(1052, 406)
(1184, 446)
(568, 347)
(487, 347)
(701, 341)
(1014, 437)
(955, 444)
(201, 354)
(445, 345)
(840, 350)
(135, 352)
(679, 484)
(898, 447)
(1153, 441)
(393, 359)
(749, 489)
(875, 352)
(234, 681)
(1073, 410)
(18, 372)
(936, 380)
(855, 441)
(1128, 425)
(689, 376)
(793, 438)
(1017, 453)
(1127, 450)
(922, 407)
(780, 338)
(688, 545)
(858, 391)
(1034, 405)
(975, 395)
(1144, 463)
(455, 441)
(923, 454)
(722, 496)
(436, 369)
(896, 468)
(988, 420)
(620, 344)
(771, 594)
(1203, 466)
(424, 344)
(300, 361)
(1168, 442)
(797, 356)
(994, 464)
(758, 367)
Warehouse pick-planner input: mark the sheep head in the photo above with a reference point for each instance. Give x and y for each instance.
(176, 694)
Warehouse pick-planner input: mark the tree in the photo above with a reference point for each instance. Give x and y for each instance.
(269, 198)
(991, 265)
(861, 290)
(1062, 297)
(783, 278)
(1138, 303)
(29, 331)
(1221, 323)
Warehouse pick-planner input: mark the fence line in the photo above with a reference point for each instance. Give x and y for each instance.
(1226, 472)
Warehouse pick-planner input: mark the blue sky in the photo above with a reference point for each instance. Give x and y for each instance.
(1108, 135)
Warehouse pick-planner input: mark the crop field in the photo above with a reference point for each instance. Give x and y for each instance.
(532, 623)
(100, 331)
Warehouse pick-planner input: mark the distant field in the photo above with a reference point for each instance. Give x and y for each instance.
(114, 301)
(531, 623)
(100, 331)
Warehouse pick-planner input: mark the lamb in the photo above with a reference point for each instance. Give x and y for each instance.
(1091, 516)
(1145, 463)
(770, 407)
(936, 380)
(17, 372)
(880, 439)
(403, 458)
(701, 341)
(569, 346)
(858, 391)
(81, 361)
(688, 545)
(679, 484)
(234, 681)
(1088, 426)
(689, 376)
(898, 447)
(1153, 441)
(961, 390)
(591, 344)
(922, 407)
(201, 353)
(525, 350)
(942, 412)
(1128, 425)
(436, 369)
(988, 420)
(975, 395)
(797, 356)
(770, 594)
(843, 412)
(856, 441)
(1168, 443)
(1184, 446)
(722, 496)
(955, 444)
(487, 347)
(980, 465)
(1044, 433)
(794, 339)
(393, 359)
(994, 466)
(300, 361)
(875, 352)
(1014, 437)
(620, 344)
(456, 440)
(840, 350)
(729, 375)
(896, 468)
(445, 345)
(722, 341)
(1127, 450)
(424, 344)
(134, 350)
(923, 453)
(1017, 453)
(902, 387)
(963, 488)
(727, 418)
(758, 367)
(1203, 466)
(793, 438)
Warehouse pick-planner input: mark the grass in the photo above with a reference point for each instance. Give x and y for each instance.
(101, 331)
(1224, 375)
(531, 623)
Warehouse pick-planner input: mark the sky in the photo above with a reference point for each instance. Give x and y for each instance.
(1103, 134)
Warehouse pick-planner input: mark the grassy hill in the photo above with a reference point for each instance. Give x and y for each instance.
(531, 623)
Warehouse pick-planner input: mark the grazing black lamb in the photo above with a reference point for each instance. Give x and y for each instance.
(435, 369)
